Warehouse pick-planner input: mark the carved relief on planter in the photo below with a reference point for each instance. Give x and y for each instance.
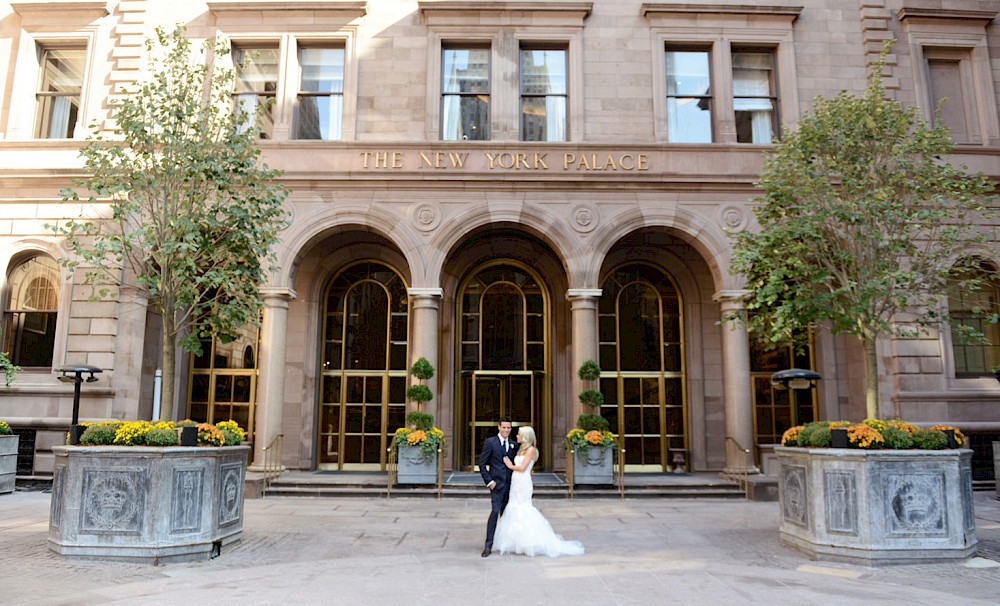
(113, 501)
(796, 495)
(915, 504)
(230, 494)
(185, 505)
(841, 502)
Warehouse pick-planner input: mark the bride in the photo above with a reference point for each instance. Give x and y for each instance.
(522, 528)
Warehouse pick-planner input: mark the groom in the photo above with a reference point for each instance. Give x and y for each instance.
(496, 475)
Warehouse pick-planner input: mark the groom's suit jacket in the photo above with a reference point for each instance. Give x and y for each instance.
(491, 461)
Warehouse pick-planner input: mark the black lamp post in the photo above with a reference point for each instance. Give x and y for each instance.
(74, 374)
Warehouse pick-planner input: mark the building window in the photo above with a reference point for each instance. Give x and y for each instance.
(30, 326)
(320, 107)
(543, 94)
(256, 85)
(971, 309)
(947, 81)
(59, 91)
(754, 99)
(689, 96)
(465, 94)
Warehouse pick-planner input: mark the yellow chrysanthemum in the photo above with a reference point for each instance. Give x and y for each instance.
(416, 437)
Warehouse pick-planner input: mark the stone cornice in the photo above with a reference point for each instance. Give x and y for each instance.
(73, 8)
(452, 7)
(661, 8)
(238, 6)
(913, 12)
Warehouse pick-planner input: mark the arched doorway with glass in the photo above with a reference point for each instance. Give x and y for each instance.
(640, 335)
(503, 353)
(362, 396)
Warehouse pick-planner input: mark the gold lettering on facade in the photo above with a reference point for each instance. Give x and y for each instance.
(382, 159)
(443, 160)
(450, 160)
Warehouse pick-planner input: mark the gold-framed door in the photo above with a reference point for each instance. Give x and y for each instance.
(363, 372)
(489, 395)
(222, 382)
(641, 349)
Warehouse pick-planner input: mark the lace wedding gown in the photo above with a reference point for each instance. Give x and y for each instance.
(523, 529)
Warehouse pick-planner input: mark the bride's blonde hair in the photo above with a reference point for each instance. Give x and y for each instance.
(527, 438)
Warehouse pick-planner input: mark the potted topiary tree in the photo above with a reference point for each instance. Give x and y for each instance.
(591, 441)
(419, 446)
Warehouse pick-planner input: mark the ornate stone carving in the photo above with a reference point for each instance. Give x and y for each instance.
(425, 216)
(841, 502)
(55, 511)
(970, 514)
(584, 217)
(113, 502)
(732, 217)
(795, 495)
(915, 504)
(186, 501)
(230, 494)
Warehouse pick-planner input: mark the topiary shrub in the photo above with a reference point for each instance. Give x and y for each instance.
(592, 422)
(100, 434)
(161, 437)
(930, 439)
(896, 438)
(423, 421)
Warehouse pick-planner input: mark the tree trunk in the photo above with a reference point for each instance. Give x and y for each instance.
(871, 377)
(169, 369)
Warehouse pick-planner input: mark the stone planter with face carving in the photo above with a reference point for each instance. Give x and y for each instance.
(144, 503)
(875, 507)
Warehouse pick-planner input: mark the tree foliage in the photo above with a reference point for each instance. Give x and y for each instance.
(192, 215)
(861, 219)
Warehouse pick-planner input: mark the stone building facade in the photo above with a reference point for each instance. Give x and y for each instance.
(506, 188)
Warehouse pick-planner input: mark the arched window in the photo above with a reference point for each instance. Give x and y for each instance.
(970, 309)
(30, 318)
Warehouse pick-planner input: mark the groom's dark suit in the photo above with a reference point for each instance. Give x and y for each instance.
(493, 470)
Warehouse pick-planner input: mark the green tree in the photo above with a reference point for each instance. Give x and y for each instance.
(191, 214)
(861, 221)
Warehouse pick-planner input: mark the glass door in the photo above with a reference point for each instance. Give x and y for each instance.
(491, 395)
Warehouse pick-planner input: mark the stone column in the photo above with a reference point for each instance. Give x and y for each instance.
(271, 370)
(736, 379)
(425, 305)
(583, 306)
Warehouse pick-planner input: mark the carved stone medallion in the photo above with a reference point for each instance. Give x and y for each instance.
(915, 504)
(230, 494)
(113, 501)
(795, 495)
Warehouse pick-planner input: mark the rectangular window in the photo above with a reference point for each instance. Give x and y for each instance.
(543, 94)
(256, 85)
(689, 96)
(59, 91)
(465, 94)
(320, 108)
(945, 79)
(754, 98)
(971, 309)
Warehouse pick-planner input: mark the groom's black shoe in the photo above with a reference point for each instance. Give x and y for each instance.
(486, 552)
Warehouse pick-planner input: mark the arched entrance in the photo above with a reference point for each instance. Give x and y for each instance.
(362, 396)
(642, 364)
(503, 351)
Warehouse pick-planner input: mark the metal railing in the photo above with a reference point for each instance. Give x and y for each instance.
(739, 456)
(619, 471)
(272, 461)
(570, 458)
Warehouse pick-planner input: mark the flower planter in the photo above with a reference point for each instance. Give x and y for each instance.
(415, 467)
(593, 466)
(8, 462)
(144, 503)
(875, 507)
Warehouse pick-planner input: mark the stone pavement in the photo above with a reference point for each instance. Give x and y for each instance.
(413, 551)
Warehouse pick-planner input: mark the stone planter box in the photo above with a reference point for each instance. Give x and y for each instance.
(875, 507)
(594, 466)
(996, 466)
(144, 503)
(414, 467)
(8, 462)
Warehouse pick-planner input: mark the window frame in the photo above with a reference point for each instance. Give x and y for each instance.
(539, 46)
(955, 34)
(445, 47)
(299, 93)
(18, 259)
(723, 28)
(772, 91)
(505, 30)
(711, 95)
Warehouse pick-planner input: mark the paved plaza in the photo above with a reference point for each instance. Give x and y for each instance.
(412, 551)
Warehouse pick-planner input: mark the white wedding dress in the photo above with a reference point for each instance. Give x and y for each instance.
(523, 529)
